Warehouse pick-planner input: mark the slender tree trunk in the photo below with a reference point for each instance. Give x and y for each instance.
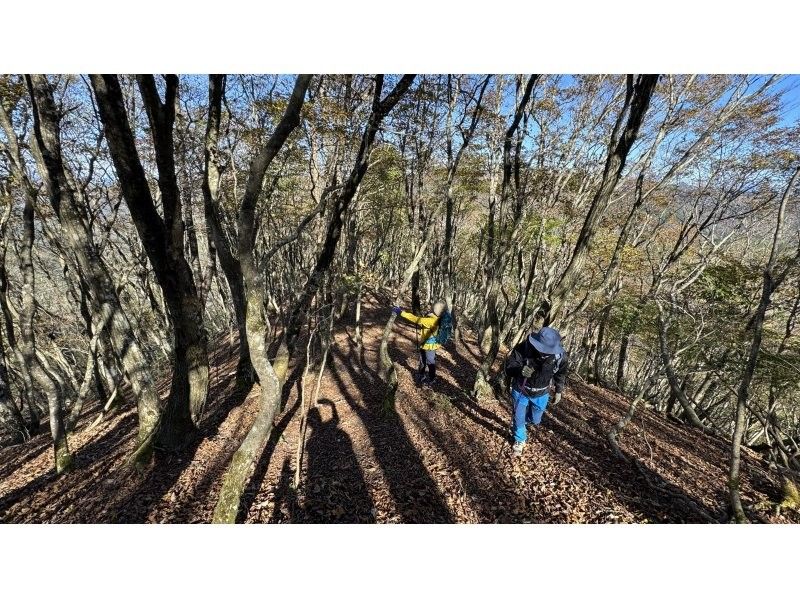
(86, 387)
(416, 303)
(10, 414)
(11, 419)
(243, 461)
(37, 377)
(637, 99)
(674, 383)
(387, 370)
(108, 314)
(380, 108)
(358, 333)
(482, 388)
(32, 372)
(622, 361)
(453, 160)
(256, 324)
(771, 282)
(217, 242)
(598, 354)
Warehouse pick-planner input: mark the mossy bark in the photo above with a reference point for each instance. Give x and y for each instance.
(387, 370)
(163, 240)
(256, 324)
(482, 389)
(63, 458)
(244, 459)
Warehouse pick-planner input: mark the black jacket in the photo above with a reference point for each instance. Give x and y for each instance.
(545, 368)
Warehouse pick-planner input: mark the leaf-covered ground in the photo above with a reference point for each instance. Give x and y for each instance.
(440, 457)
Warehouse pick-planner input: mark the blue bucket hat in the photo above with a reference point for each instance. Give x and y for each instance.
(547, 340)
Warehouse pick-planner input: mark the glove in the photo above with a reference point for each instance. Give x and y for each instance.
(396, 310)
(557, 399)
(527, 371)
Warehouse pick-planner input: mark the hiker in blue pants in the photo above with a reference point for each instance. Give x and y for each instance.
(532, 365)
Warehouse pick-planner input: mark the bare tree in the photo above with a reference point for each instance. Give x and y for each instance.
(637, 100)
(772, 280)
(162, 238)
(272, 377)
(108, 317)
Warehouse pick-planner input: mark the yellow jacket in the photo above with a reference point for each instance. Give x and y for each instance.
(429, 326)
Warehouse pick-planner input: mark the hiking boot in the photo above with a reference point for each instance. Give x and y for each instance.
(518, 447)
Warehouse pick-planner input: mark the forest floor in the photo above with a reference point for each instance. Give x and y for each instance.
(439, 457)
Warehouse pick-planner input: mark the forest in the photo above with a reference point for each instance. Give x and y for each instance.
(198, 275)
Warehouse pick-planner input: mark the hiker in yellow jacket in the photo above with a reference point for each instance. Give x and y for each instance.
(429, 342)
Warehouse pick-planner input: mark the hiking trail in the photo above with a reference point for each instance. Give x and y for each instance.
(440, 457)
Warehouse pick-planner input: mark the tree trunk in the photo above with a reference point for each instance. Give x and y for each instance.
(217, 242)
(162, 239)
(10, 414)
(33, 370)
(11, 419)
(256, 324)
(416, 303)
(770, 283)
(598, 353)
(108, 315)
(453, 160)
(622, 361)
(387, 370)
(380, 108)
(674, 383)
(638, 100)
(495, 255)
(244, 459)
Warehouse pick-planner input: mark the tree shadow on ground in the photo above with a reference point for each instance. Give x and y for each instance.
(65, 490)
(461, 371)
(22, 453)
(335, 487)
(646, 492)
(698, 459)
(472, 409)
(660, 500)
(228, 393)
(476, 463)
(262, 465)
(284, 506)
(415, 494)
(123, 495)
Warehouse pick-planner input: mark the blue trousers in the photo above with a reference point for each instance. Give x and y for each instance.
(527, 410)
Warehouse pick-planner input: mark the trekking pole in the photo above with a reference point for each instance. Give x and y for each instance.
(525, 380)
